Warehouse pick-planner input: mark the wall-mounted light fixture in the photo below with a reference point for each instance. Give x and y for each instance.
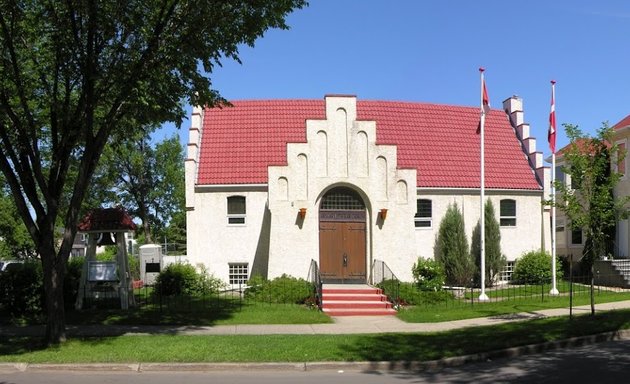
(383, 213)
(302, 213)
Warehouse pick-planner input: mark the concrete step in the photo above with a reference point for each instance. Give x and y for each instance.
(355, 300)
(357, 304)
(359, 312)
(353, 297)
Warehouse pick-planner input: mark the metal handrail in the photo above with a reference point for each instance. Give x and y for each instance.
(315, 279)
(383, 277)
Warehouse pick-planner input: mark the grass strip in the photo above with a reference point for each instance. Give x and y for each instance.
(246, 313)
(465, 310)
(309, 348)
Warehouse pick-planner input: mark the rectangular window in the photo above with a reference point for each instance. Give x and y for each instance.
(576, 236)
(560, 174)
(507, 213)
(424, 213)
(236, 209)
(559, 225)
(621, 160)
(238, 273)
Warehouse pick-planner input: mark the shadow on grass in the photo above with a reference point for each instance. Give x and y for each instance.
(425, 347)
(172, 311)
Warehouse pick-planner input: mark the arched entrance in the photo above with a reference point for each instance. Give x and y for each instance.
(342, 237)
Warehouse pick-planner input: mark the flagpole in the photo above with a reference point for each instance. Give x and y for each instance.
(552, 145)
(482, 220)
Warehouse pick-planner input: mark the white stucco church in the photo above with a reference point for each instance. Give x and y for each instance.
(274, 184)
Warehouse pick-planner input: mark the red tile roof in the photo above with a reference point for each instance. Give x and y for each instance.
(625, 122)
(440, 141)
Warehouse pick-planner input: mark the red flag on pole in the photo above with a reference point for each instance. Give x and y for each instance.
(485, 100)
(551, 135)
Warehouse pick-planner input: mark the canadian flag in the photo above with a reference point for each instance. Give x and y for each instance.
(485, 100)
(551, 135)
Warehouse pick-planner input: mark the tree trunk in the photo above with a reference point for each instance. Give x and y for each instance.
(54, 271)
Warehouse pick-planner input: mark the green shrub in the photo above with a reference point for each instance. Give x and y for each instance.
(183, 279)
(283, 289)
(409, 294)
(21, 289)
(134, 267)
(534, 267)
(428, 274)
(71, 281)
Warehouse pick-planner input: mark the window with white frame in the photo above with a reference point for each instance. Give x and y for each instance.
(424, 213)
(507, 213)
(620, 161)
(560, 176)
(576, 236)
(561, 237)
(238, 273)
(236, 209)
(559, 225)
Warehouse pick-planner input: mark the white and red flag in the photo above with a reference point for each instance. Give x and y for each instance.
(485, 100)
(551, 135)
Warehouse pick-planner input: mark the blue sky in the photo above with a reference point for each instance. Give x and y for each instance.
(430, 51)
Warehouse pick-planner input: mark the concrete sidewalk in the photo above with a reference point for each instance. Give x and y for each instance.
(340, 325)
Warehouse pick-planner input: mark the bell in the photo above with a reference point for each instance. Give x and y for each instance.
(106, 238)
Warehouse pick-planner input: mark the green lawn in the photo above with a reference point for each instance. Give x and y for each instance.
(526, 299)
(309, 348)
(227, 313)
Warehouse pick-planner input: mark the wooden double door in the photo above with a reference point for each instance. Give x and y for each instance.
(342, 246)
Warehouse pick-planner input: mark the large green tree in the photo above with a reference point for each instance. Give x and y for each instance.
(588, 200)
(75, 73)
(146, 179)
(495, 259)
(451, 248)
(15, 241)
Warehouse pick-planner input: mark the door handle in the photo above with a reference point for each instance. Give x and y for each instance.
(345, 260)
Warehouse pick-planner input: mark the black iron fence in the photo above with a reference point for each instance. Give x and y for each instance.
(384, 278)
(570, 291)
(288, 291)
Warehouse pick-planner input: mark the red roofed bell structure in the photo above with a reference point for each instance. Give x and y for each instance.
(106, 279)
(274, 185)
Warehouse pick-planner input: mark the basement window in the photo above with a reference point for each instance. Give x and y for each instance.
(238, 273)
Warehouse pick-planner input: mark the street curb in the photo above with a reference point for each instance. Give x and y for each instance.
(383, 366)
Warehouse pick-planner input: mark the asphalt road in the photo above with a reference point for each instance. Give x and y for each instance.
(607, 362)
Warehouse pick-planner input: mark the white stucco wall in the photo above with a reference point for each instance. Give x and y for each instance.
(217, 243)
(524, 237)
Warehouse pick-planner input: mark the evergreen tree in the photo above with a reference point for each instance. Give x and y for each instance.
(495, 260)
(451, 248)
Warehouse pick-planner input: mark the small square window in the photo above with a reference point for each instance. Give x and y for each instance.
(238, 273)
(507, 213)
(424, 213)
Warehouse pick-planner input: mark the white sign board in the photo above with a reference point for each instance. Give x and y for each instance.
(102, 271)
